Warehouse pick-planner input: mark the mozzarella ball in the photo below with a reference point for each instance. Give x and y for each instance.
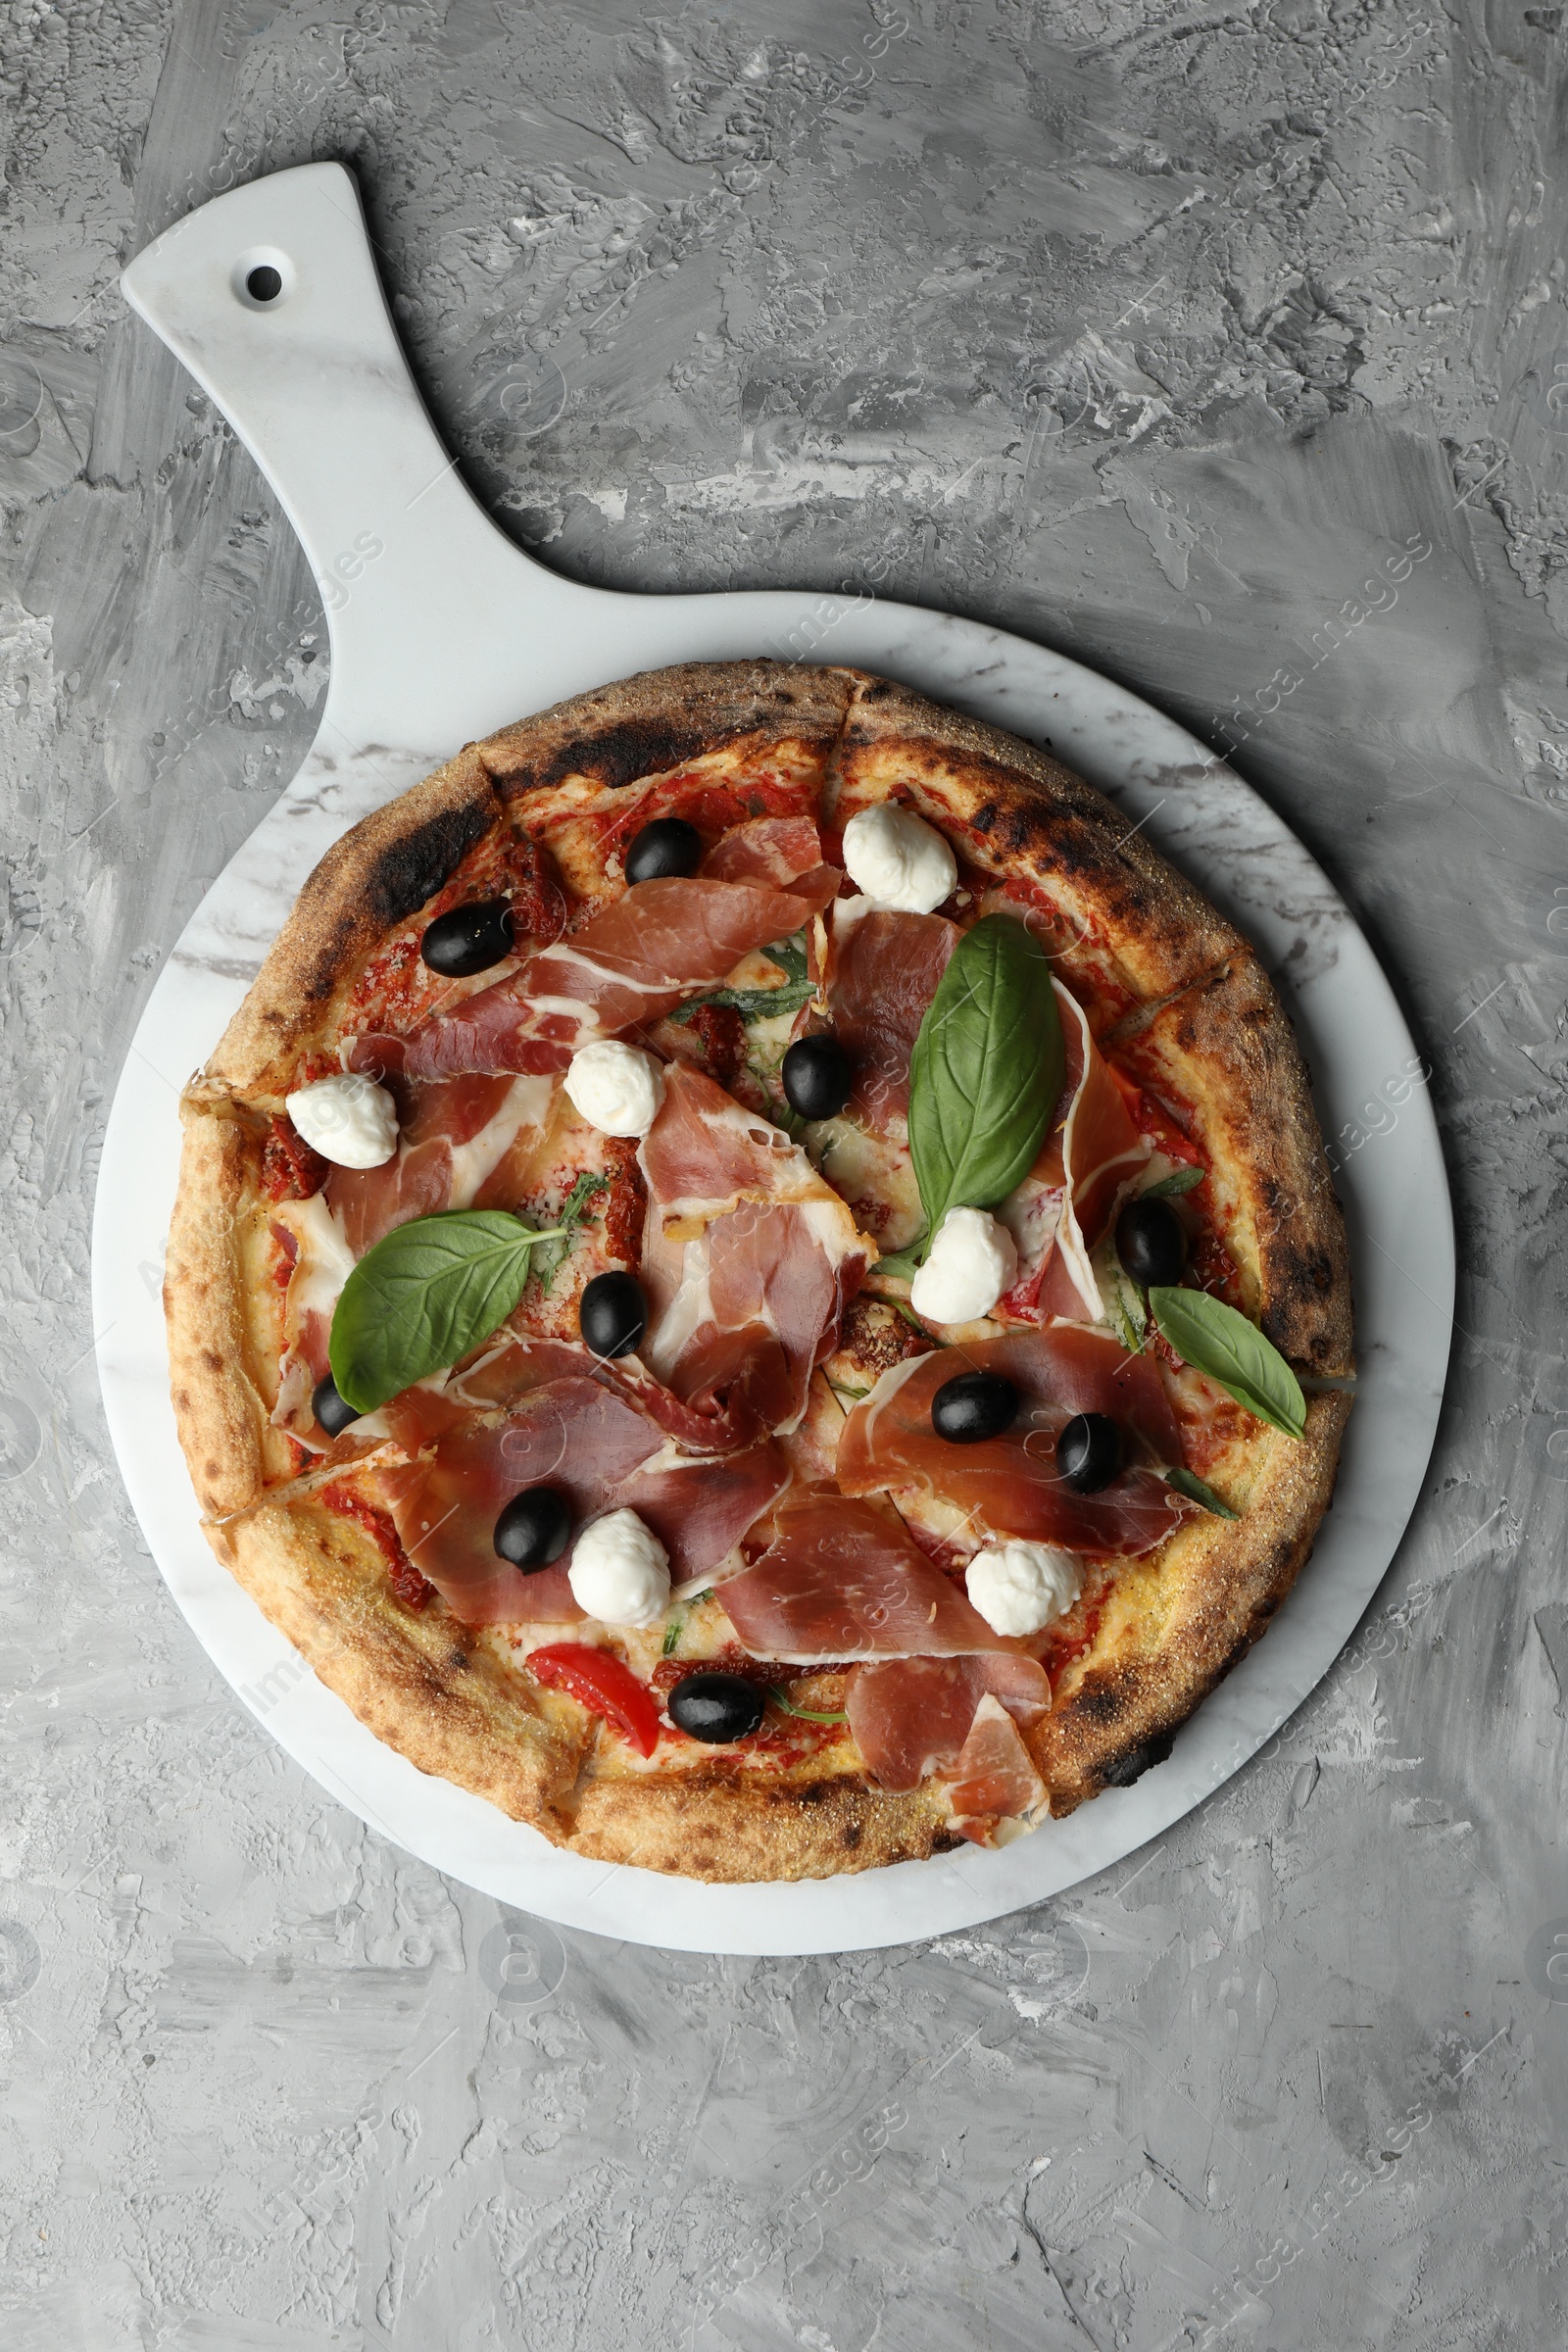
(616, 1088)
(1017, 1588)
(619, 1571)
(349, 1119)
(898, 860)
(972, 1261)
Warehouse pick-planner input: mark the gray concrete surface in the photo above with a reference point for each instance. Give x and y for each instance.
(1142, 328)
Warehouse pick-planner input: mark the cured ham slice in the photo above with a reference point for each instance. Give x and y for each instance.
(1060, 1211)
(776, 850)
(587, 1440)
(454, 1132)
(632, 962)
(912, 1716)
(845, 1579)
(882, 973)
(749, 1258)
(994, 1779)
(1009, 1483)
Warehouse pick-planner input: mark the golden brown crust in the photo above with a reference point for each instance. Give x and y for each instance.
(1200, 1026)
(657, 721)
(735, 1832)
(381, 872)
(1177, 1622)
(1224, 1059)
(215, 1376)
(1131, 921)
(416, 1680)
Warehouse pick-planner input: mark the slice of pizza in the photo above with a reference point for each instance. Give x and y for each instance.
(756, 1281)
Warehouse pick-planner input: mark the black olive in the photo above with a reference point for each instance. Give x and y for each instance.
(534, 1528)
(1089, 1453)
(333, 1412)
(974, 1406)
(817, 1076)
(469, 939)
(264, 283)
(612, 1313)
(669, 846)
(1151, 1241)
(717, 1706)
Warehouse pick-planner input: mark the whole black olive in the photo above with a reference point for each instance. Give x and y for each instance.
(612, 1313)
(668, 847)
(534, 1529)
(1151, 1241)
(468, 939)
(1089, 1453)
(974, 1406)
(333, 1412)
(817, 1076)
(717, 1706)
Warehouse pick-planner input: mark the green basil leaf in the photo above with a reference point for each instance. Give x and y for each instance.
(1169, 1187)
(1215, 1339)
(428, 1292)
(787, 1707)
(987, 1070)
(1194, 1490)
(906, 1263)
(752, 1003)
(789, 955)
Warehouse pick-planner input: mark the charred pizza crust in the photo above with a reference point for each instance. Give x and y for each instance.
(1195, 1020)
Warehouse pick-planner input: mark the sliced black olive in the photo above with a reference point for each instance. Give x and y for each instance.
(1151, 1241)
(333, 1412)
(717, 1706)
(612, 1313)
(668, 847)
(468, 939)
(534, 1529)
(974, 1406)
(1089, 1453)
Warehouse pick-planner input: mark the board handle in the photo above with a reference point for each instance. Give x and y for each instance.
(269, 296)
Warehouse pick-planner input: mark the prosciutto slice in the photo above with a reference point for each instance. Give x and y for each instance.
(1009, 1483)
(588, 1439)
(776, 850)
(994, 1779)
(912, 1716)
(749, 1258)
(452, 1133)
(846, 1580)
(1060, 1211)
(882, 973)
(627, 964)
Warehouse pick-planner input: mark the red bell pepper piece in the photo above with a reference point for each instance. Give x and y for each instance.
(596, 1679)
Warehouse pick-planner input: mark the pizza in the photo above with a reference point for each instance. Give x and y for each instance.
(756, 1281)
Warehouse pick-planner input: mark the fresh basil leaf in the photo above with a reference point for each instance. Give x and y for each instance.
(789, 955)
(428, 1292)
(1169, 1187)
(905, 1262)
(752, 1003)
(1215, 1339)
(672, 1634)
(1195, 1492)
(573, 1211)
(787, 1707)
(986, 1072)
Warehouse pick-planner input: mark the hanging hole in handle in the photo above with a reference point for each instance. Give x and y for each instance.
(262, 278)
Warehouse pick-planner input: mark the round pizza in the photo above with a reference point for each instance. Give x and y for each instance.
(756, 1281)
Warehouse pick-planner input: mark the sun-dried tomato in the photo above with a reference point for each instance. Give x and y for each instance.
(723, 1038)
(290, 1169)
(407, 1585)
(625, 1202)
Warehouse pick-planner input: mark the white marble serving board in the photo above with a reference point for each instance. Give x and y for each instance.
(441, 632)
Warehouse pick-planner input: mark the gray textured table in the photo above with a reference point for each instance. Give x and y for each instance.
(1146, 331)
